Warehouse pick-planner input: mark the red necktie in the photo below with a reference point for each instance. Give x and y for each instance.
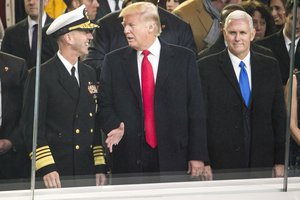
(148, 100)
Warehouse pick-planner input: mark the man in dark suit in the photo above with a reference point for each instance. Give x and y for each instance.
(279, 42)
(67, 141)
(244, 101)
(110, 36)
(151, 107)
(18, 38)
(14, 162)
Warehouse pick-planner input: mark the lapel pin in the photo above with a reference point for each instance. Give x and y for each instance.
(6, 69)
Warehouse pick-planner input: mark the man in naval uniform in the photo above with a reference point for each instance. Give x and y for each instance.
(67, 142)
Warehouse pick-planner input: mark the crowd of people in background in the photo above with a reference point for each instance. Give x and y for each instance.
(139, 86)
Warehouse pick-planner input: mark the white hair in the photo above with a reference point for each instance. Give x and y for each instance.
(238, 14)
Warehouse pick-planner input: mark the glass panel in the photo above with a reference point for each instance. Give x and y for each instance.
(115, 179)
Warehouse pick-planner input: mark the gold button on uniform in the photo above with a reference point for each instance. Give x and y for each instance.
(91, 114)
(77, 131)
(77, 147)
(91, 146)
(92, 130)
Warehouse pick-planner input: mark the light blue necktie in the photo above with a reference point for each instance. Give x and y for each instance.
(244, 83)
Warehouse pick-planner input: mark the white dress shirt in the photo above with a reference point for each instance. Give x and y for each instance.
(112, 4)
(235, 63)
(31, 23)
(153, 58)
(69, 66)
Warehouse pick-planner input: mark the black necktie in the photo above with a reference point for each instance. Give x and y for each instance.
(117, 5)
(290, 49)
(73, 69)
(34, 43)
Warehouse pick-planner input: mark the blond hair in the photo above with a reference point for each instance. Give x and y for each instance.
(147, 11)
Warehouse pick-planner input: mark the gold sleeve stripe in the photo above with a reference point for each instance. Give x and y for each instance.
(44, 155)
(99, 160)
(98, 154)
(97, 147)
(40, 153)
(98, 151)
(41, 150)
(43, 162)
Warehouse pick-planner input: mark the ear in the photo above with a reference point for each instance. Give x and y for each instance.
(68, 38)
(151, 27)
(253, 32)
(224, 34)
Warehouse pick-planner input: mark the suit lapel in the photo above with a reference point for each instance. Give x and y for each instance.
(3, 80)
(297, 57)
(166, 60)
(105, 9)
(227, 68)
(48, 20)
(130, 69)
(257, 76)
(65, 80)
(84, 81)
(26, 40)
(284, 54)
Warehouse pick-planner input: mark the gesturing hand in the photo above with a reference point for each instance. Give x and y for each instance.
(115, 136)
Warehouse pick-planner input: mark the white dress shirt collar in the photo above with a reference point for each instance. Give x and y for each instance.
(288, 41)
(153, 58)
(235, 63)
(68, 65)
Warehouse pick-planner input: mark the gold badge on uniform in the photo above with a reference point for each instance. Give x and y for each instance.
(92, 88)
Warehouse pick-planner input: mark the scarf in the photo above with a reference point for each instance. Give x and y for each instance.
(214, 31)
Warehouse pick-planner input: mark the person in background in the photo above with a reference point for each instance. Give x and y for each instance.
(245, 108)
(11, 12)
(172, 4)
(294, 154)
(280, 42)
(14, 161)
(68, 142)
(278, 12)
(262, 20)
(21, 39)
(147, 88)
(204, 18)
